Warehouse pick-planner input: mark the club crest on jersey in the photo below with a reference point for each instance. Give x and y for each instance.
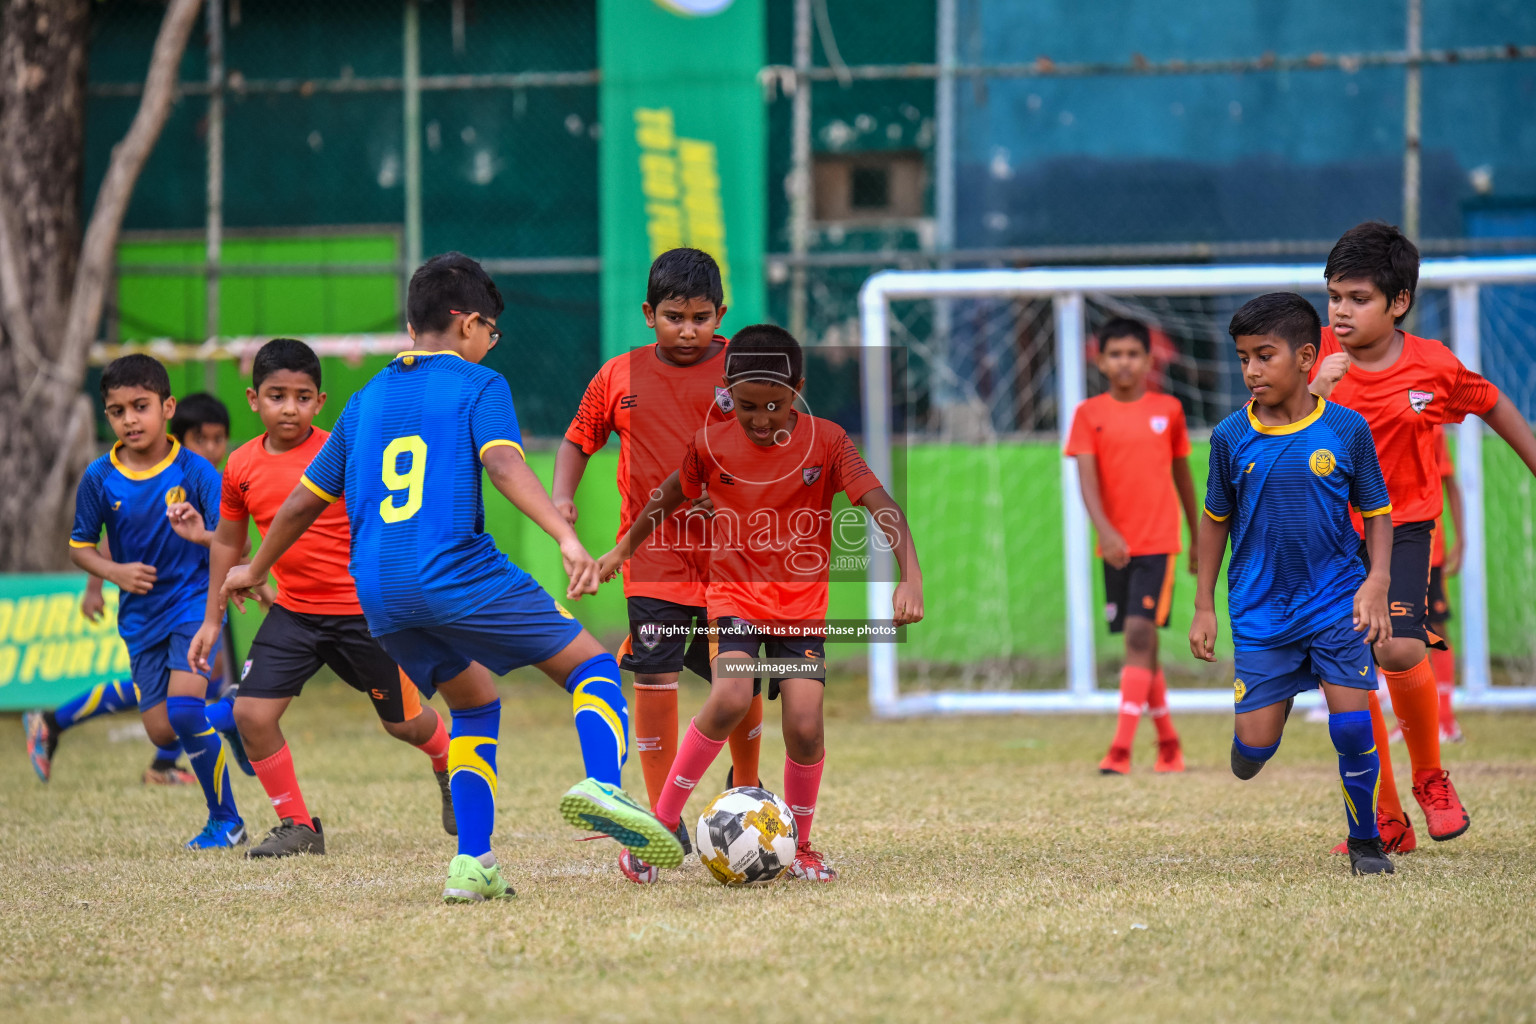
(724, 400)
(1239, 690)
(1417, 400)
(175, 496)
(649, 635)
(1159, 424)
(810, 474)
(1322, 462)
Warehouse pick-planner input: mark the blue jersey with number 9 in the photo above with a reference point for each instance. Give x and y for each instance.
(406, 453)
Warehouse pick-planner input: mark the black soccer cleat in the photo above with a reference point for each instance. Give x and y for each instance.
(682, 836)
(1244, 768)
(290, 839)
(730, 777)
(1366, 857)
(450, 823)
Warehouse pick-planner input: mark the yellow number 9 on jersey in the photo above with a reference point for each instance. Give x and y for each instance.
(410, 481)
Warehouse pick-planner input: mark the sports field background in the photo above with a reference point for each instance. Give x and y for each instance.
(987, 873)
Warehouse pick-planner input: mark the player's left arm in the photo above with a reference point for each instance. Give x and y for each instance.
(907, 601)
(1506, 421)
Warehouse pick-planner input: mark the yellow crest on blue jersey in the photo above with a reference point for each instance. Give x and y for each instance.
(175, 496)
(562, 610)
(1239, 690)
(1323, 462)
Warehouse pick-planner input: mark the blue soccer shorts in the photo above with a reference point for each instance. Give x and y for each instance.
(523, 626)
(150, 665)
(1335, 654)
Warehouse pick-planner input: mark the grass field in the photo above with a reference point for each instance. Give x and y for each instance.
(988, 873)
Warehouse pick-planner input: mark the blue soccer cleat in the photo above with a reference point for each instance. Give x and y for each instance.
(219, 835)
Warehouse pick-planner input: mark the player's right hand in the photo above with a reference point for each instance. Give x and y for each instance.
(92, 604)
(581, 568)
(239, 584)
(567, 510)
(1202, 636)
(609, 565)
(202, 642)
(134, 577)
(1113, 547)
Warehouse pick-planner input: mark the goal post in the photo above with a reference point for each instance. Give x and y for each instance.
(1466, 282)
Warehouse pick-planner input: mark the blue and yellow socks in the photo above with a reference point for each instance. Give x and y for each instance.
(207, 753)
(101, 699)
(221, 714)
(1359, 769)
(602, 717)
(1246, 760)
(472, 775)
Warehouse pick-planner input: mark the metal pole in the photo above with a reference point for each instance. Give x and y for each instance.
(1071, 388)
(800, 168)
(412, 92)
(1467, 341)
(944, 132)
(1412, 110)
(214, 201)
(874, 310)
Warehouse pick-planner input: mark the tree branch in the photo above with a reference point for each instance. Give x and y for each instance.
(128, 157)
(14, 301)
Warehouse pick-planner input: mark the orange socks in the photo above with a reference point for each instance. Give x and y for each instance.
(656, 735)
(1444, 663)
(1416, 702)
(437, 747)
(746, 745)
(1387, 799)
(1157, 708)
(1135, 684)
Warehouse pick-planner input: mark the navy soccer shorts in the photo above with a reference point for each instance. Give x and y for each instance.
(151, 664)
(1335, 654)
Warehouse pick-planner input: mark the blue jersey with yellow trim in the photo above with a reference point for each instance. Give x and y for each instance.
(131, 505)
(1286, 491)
(406, 453)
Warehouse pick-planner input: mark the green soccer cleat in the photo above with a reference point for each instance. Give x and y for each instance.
(608, 809)
(469, 881)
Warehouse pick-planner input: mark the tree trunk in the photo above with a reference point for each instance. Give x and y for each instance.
(51, 284)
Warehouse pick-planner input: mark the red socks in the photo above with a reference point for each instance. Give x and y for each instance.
(436, 748)
(276, 775)
(801, 784)
(1444, 663)
(656, 735)
(694, 756)
(1416, 702)
(746, 742)
(1386, 799)
(1135, 685)
(1157, 708)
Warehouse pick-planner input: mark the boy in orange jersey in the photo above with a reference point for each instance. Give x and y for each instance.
(316, 618)
(772, 473)
(656, 398)
(1132, 450)
(1405, 387)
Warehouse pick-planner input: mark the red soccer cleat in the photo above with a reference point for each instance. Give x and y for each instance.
(809, 866)
(1396, 835)
(1116, 762)
(637, 870)
(1170, 756)
(1444, 815)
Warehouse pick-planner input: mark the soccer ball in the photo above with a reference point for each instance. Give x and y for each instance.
(746, 836)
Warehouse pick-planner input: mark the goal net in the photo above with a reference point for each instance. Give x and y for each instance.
(970, 380)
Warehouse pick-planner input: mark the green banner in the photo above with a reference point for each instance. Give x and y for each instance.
(684, 155)
(48, 650)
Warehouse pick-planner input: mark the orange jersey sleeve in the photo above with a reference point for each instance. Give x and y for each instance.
(593, 421)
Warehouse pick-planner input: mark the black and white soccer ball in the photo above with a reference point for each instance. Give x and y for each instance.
(746, 836)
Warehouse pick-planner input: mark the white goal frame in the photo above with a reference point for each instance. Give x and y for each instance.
(1066, 288)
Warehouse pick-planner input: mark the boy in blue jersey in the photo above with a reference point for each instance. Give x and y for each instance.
(443, 602)
(201, 424)
(1284, 471)
(149, 493)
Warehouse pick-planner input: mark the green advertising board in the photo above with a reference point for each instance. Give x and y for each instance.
(48, 650)
(684, 150)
